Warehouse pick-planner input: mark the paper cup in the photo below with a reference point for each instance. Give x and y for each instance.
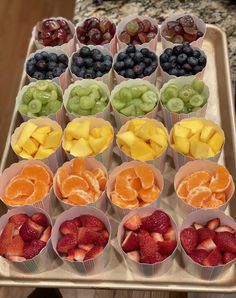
(89, 267)
(181, 159)
(111, 46)
(200, 25)
(121, 212)
(152, 78)
(86, 83)
(171, 118)
(122, 119)
(207, 273)
(105, 157)
(106, 78)
(158, 162)
(69, 47)
(40, 263)
(54, 160)
(64, 79)
(146, 270)
(152, 44)
(91, 164)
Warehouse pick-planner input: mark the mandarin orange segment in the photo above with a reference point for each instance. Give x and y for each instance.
(145, 174)
(98, 173)
(62, 175)
(18, 201)
(120, 202)
(78, 166)
(221, 181)
(149, 195)
(19, 187)
(36, 172)
(182, 191)
(136, 184)
(212, 203)
(220, 196)
(91, 180)
(197, 179)
(73, 183)
(129, 174)
(102, 181)
(80, 197)
(124, 190)
(40, 191)
(197, 195)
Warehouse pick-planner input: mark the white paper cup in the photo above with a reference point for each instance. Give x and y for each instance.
(146, 270)
(69, 47)
(122, 119)
(170, 118)
(105, 157)
(105, 114)
(92, 266)
(40, 263)
(207, 273)
(121, 212)
(199, 23)
(152, 44)
(55, 159)
(91, 164)
(181, 159)
(64, 79)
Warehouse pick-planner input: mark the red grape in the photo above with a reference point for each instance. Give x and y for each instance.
(186, 21)
(91, 23)
(125, 37)
(190, 37)
(142, 37)
(51, 25)
(190, 30)
(153, 29)
(112, 29)
(63, 24)
(97, 38)
(172, 24)
(107, 37)
(80, 31)
(93, 31)
(104, 24)
(132, 28)
(167, 34)
(150, 36)
(146, 25)
(178, 30)
(178, 39)
(61, 33)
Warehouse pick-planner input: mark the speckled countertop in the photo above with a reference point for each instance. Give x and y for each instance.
(219, 12)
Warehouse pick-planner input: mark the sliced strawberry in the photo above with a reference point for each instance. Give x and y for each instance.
(15, 248)
(159, 222)
(40, 219)
(76, 254)
(134, 255)
(189, 239)
(157, 236)
(66, 243)
(213, 223)
(69, 227)
(225, 229)
(228, 257)
(18, 219)
(226, 242)
(6, 237)
(86, 247)
(199, 255)
(46, 234)
(205, 233)
(93, 253)
(197, 226)
(91, 222)
(30, 230)
(87, 236)
(133, 223)
(148, 246)
(130, 242)
(207, 244)
(213, 259)
(166, 247)
(157, 257)
(105, 234)
(33, 249)
(77, 221)
(170, 234)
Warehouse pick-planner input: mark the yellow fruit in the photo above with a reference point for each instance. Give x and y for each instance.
(158, 149)
(146, 131)
(17, 149)
(135, 124)
(53, 139)
(97, 144)
(199, 149)
(26, 133)
(105, 131)
(81, 148)
(211, 153)
(39, 137)
(43, 153)
(43, 129)
(95, 132)
(140, 150)
(182, 145)
(180, 131)
(126, 150)
(195, 137)
(161, 131)
(193, 125)
(30, 147)
(67, 145)
(25, 155)
(160, 140)
(126, 138)
(77, 130)
(206, 133)
(216, 142)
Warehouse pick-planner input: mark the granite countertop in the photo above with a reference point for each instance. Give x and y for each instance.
(220, 12)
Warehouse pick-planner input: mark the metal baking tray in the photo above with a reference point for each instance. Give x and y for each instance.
(117, 275)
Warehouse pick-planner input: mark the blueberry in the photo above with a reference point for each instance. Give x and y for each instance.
(187, 50)
(79, 61)
(122, 73)
(88, 62)
(63, 58)
(49, 75)
(129, 63)
(173, 64)
(62, 66)
(30, 69)
(142, 65)
(197, 69)
(152, 56)
(45, 55)
(108, 65)
(51, 65)
(129, 73)
(75, 69)
(172, 59)
(130, 49)
(98, 57)
(192, 61)
(181, 72)
(41, 65)
(147, 71)
(182, 58)
(166, 66)
(81, 72)
(145, 52)
(174, 72)
(138, 57)
(141, 76)
(97, 66)
(168, 52)
(108, 58)
(137, 69)
(196, 54)
(121, 56)
(177, 49)
(95, 52)
(202, 61)
(187, 67)
(98, 74)
(38, 56)
(88, 76)
(91, 72)
(85, 52)
(32, 61)
(164, 58)
(103, 67)
(131, 55)
(119, 65)
(38, 75)
(52, 57)
(147, 61)
(56, 72)
(154, 65)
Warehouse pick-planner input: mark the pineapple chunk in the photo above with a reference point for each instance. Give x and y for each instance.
(17, 149)
(135, 124)
(158, 149)
(43, 129)
(206, 133)
(161, 131)
(105, 131)
(160, 140)
(216, 142)
(126, 150)
(25, 155)
(140, 150)
(53, 139)
(26, 133)
(195, 137)
(96, 132)
(30, 147)
(199, 149)
(39, 137)
(180, 131)
(43, 153)
(211, 153)
(77, 130)
(81, 148)
(182, 145)
(126, 138)
(146, 131)
(67, 145)
(97, 144)
(193, 125)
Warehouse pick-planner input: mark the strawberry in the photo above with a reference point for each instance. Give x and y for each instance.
(213, 259)
(77, 221)
(105, 234)
(130, 242)
(40, 219)
(226, 242)
(6, 237)
(16, 259)
(157, 236)
(157, 257)
(207, 244)
(197, 226)
(30, 230)
(189, 239)
(134, 255)
(148, 246)
(33, 249)
(159, 222)
(66, 243)
(93, 253)
(91, 222)
(213, 223)
(205, 233)
(228, 257)
(166, 247)
(199, 255)
(225, 229)
(86, 247)
(46, 234)
(18, 219)
(15, 248)
(87, 236)
(76, 254)
(133, 223)
(170, 234)
(68, 227)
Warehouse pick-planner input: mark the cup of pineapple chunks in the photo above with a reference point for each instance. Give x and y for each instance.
(39, 138)
(196, 138)
(143, 139)
(183, 97)
(89, 137)
(134, 98)
(87, 97)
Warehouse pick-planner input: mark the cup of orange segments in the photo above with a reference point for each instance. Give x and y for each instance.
(132, 185)
(203, 184)
(27, 182)
(81, 181)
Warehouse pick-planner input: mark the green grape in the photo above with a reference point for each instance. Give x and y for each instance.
(30, 114)
(117, 104)
(125, 94)
(147, 106)
(198, 85)
(205, 98)
(83, 112)
(143, 88)
(170, 92)
(43, 112)
(54, 95)
(128, 111)
(74, 91)
(196, 101)
(104, 99)
(185, 110)
(186, 92)
(137, 101)
(95, 94)
(52, 86)
(83, 91)
(53, 106)
(139, 112)
(136, 92)
(35, 106)
(149, 96)
(23, 108)
(87, 102)
(196, 109)
(28, 95)
(98, 107)
(73, 104)
(42, 85)
(175, 105)
(174, 86)
(163, 98)
(94, 87)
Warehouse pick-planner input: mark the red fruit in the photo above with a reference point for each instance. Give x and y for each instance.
(146, 25)
(104, 24)
(148, 246)
(134, 255)
(213, 259)
(157, 257)
(87, 236)
(197, 226)
(167, 34)
(225, 229)
(30, 231)
(66, 243)
(130, 242)
(16, 259)
(190, 37)
(6, 237)
(93, 253)
(46, 234)
(159, 222)
(125, 37)
(170, 234)
(157, 236)
(86, 247)
(189, 239)
(178, 30)
(172, 24)
(76, 254)
(228, 257)
(133, 223)
(178, 39)
(107, 38)
(153, 29)
(51, 25)
(91, 222)
(15, 248)
(142, 37)
(61, 33)
(226, 242)
(207, 244)
(18, 219)
(199, 255)
(80, 31)
(187, 21)
(150, 36)
(213, 223)
(33, 249)
(68, 227)
(77, 221)
(40, 219)
(105, 234)
(166, 247)
(205, 233)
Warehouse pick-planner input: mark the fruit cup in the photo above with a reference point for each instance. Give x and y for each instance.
(91, 266)
(190, 37)
(196, 138)
(151, 42)
(212, 219)
(153, 198)
(149, 103)
(77, 166)
(95, 99)
(198, 95)
(69, 45)
(97, 31)
(170, 240)
(39, 138)
(59, 75)
(89, 136)
(31, 263)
